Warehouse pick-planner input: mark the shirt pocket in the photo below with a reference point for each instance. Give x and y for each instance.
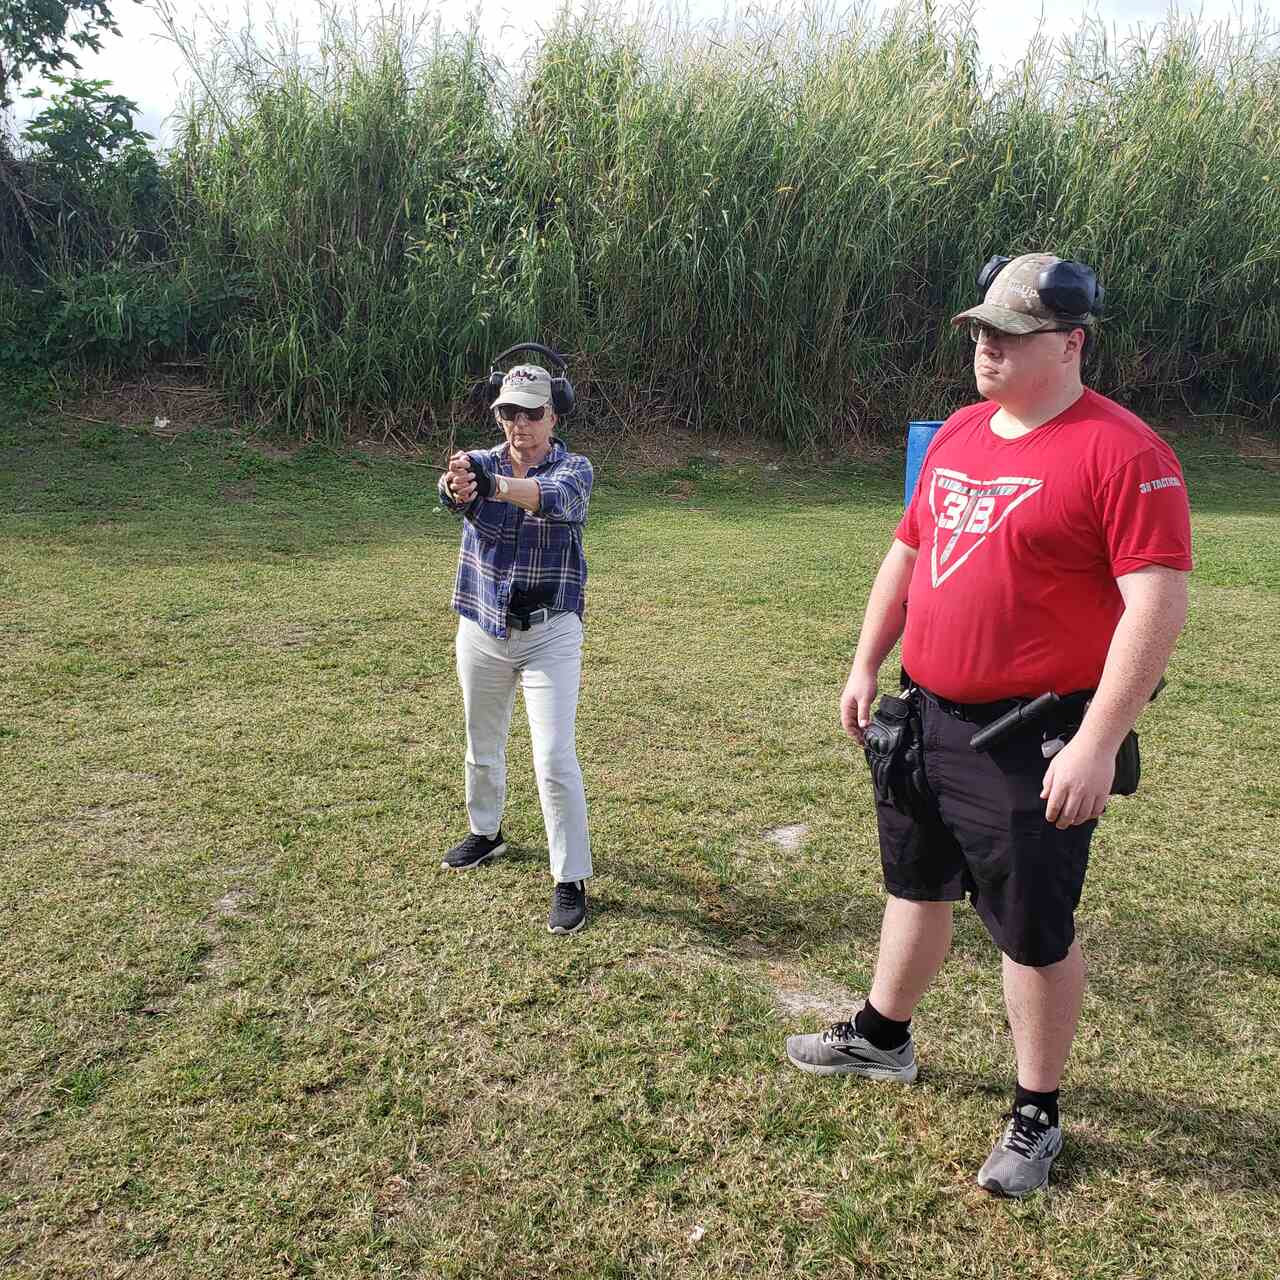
(544, 534)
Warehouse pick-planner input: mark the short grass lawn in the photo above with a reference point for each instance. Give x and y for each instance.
(249, 1028)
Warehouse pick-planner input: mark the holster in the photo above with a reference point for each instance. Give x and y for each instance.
(1128, 766)
(894, 747)
(1128, 760)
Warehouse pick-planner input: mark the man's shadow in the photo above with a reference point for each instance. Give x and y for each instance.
(1219, 1146)
(775, 920)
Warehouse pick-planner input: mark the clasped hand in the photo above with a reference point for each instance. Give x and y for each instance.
(462, 479)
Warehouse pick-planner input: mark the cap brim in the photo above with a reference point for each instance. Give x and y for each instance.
(1005, 320)
(1018, 321)
(522, 399)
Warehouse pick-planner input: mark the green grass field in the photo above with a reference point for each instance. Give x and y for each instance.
(249, 1029)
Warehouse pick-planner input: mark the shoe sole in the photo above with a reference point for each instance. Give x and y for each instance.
(995, 1188)
(894, 1074)
(446, 865)
(565, 932)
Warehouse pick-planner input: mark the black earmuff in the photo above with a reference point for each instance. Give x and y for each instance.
(992, 268)
(563, 396)
(1070, 288)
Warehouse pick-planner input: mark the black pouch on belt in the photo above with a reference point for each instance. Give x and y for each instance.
(894, 747)
(1128, 766)
(1128, 758)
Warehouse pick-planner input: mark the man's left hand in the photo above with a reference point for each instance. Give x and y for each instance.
(1077, 784)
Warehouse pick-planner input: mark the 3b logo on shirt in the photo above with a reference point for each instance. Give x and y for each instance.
(967, 511)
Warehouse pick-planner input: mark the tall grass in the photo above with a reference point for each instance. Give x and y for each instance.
(766, 228)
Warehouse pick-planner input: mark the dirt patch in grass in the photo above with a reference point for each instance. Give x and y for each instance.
(167, 402)
(245, 491)
(226, 909)
(119, 777)
(797, 994)
(1263, 449)
(93, 813)
(789, 837)
(664, 959)
(283, 635)
(23, 1107)
(274, 451)
(231, 904)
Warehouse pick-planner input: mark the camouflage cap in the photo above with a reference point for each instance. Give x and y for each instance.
(527, 386)
(1013, 303)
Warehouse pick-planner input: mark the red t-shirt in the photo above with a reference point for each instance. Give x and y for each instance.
(1020, 544)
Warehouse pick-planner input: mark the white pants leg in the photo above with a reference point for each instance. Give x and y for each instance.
(488, 679)
(547, 660)
(551, 670)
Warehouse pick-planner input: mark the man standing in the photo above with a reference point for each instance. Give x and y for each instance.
(520, 595)
(1046, 549)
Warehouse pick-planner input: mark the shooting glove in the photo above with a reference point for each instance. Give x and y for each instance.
(484, 481)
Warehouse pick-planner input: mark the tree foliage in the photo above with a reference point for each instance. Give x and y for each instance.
(40, 37)
(85, 164)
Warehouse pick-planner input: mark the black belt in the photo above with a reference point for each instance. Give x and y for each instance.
(532, 618)
(986, 712)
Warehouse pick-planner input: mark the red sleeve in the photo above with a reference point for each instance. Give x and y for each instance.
(1145, 515)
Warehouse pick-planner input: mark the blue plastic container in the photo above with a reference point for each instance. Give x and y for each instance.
(919, 434)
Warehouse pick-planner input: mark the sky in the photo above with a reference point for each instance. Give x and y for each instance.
(145, 67)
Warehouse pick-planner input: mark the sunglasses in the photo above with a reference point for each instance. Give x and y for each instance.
(979, 331)
(509, 412)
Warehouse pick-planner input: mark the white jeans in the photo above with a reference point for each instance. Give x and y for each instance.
(546, 661)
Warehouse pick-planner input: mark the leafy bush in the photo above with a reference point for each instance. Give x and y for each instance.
(25, 316)
(118, 317)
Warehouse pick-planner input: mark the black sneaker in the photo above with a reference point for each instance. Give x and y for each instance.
(568, 907)
(473, 851)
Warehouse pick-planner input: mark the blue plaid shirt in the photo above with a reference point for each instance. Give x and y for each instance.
(506, 549)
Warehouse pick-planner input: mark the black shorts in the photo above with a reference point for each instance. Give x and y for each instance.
(989, 840)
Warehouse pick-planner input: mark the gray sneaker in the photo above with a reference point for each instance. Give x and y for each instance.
(1020, 1162)
(840, 1050)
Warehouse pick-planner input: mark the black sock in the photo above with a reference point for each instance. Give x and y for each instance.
(1047, 1102)
(883, 1032)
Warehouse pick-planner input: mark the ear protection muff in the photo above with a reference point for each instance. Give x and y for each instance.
(563, 396)
(1070, 288)
(991, 268)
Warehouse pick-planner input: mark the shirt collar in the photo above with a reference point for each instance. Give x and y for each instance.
(554, 454)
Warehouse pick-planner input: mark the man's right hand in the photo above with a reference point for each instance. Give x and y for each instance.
(855, 703)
